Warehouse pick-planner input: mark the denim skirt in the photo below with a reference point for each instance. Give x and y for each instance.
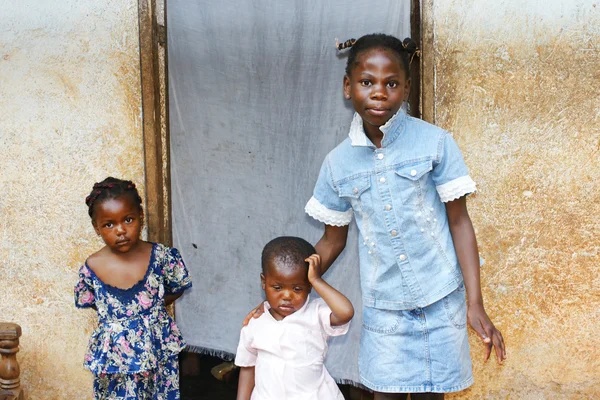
(415, 351)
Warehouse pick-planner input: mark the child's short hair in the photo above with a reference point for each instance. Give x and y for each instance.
(112, 188)
(404, 49)
(288, 250)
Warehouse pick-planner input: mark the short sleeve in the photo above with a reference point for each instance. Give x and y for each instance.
(324, 313)
(326, 205)
(85, 295)
(177, 278)
(450, 174)
(246, 354)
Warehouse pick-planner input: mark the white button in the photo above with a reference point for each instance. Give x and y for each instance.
(418, 214)
(369, 251)
(402, 257)
(380, 156)
(434, 220)
(388, 207)
(431, 208)
(372, 243)
(422, 230)
(366, 239)
(382, 179)
(355, 190)
(394, 233)
(413, 172)
(428, 219)
(432, 234)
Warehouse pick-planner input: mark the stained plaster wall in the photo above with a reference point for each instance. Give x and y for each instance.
(70, 115)
(518, 84)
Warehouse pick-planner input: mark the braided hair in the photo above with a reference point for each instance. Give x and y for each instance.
(405, 49)
(112, 188)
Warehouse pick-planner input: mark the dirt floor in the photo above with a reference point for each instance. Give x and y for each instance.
(197, 382)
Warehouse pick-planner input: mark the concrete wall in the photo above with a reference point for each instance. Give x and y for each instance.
(518, 85)
(71, 115)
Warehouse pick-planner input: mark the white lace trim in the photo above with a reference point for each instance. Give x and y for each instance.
(456, 188)
(357, 134)
(330, 217)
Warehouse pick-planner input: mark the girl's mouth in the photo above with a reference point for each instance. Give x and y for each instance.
(377, 112)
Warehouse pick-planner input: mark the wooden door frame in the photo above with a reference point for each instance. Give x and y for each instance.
(155, 118)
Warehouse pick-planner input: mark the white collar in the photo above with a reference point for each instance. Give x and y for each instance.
(357, 134)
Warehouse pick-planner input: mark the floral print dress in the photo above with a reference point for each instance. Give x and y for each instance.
(133, 351)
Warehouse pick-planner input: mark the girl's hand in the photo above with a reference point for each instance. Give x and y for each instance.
(257, 312)
(491, 337)
(314, 267)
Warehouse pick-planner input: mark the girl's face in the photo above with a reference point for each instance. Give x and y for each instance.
(119, 222)
(377, 87)
(286, 288)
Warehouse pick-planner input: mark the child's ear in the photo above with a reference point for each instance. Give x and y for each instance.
(346, 87)
(406, 89)
(95, 225)
(262, 281)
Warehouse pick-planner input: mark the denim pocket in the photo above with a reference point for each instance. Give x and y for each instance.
(456, 307)
(381, 321)
(357, 192)
(414, 172)
(411, 180)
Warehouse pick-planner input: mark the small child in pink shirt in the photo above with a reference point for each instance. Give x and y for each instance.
(281, 353)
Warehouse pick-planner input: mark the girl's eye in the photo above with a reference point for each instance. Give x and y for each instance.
(297, 289)
(365, 82)
(393, 84)
(129, 220)
(109, 225)
(277, 287)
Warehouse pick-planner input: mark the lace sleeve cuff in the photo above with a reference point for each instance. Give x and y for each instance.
(329, 217)
(456, 188)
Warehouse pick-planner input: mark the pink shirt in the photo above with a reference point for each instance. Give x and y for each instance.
(288, 355)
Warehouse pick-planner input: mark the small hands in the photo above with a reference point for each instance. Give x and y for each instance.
(314, 267)
(257, 312)
(491, 337)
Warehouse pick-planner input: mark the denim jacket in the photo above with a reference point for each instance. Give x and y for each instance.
(397, 193)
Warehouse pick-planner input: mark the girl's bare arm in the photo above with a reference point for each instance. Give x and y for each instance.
(465, 245)
(342, 310)
(245, 383)
(331, 244)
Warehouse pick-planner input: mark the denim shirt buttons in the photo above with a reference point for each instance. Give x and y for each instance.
(397, 194)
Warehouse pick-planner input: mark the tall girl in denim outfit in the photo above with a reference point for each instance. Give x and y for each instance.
(406, 183)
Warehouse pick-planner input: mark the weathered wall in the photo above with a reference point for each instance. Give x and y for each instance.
(518, 84)
(70, 106)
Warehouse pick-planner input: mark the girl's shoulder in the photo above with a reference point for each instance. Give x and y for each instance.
(164, 253)
(96, 261)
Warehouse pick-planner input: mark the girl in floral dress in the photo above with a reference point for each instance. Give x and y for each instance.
(133, 353)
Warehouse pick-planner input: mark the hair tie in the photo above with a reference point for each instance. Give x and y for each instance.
(345, 45)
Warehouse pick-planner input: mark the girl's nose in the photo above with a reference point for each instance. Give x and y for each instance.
(120, 229)
(378, 93)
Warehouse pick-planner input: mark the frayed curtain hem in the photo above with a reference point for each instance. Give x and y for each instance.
(350, 382)
(222, 354)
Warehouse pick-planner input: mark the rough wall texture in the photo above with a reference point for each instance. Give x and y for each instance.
(70, 105)
(518, 84)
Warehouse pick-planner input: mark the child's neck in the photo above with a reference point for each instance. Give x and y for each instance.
(375, 135)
